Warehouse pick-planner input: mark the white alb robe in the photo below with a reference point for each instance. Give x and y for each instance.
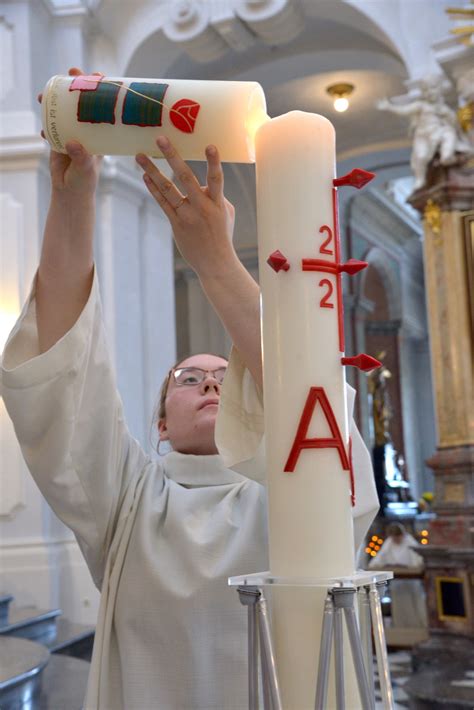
(160, 537)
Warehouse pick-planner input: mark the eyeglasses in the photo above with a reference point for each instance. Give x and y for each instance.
(195, 375)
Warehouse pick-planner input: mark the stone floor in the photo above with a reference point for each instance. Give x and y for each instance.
(400, 669)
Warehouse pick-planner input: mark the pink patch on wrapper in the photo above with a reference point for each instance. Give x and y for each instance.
(183, 115)
(85, 83)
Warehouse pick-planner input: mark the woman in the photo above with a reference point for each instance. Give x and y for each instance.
(160, 538)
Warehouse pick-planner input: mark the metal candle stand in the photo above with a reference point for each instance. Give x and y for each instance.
(339, 605)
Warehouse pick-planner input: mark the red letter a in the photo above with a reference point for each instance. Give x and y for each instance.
(317, 394)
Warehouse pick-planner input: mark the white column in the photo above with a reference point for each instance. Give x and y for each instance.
(158, 303)
(202, 328)
(415, 371)
(30, 534)
(70, 24)
(135, 266)
(206, 332)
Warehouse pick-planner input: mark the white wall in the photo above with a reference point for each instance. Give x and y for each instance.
(40, 560)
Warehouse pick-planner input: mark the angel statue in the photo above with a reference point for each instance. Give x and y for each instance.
(381, 407)
(381, 416)
(433, 125)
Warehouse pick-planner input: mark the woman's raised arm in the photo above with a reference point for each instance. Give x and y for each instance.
(66, 265)
(202, 220)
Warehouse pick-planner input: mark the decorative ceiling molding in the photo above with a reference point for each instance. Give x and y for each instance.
(67, 8)
(206, 30)
(274, 21)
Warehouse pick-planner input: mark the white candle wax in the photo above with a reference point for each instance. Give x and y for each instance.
(310, 521)
(123, 116)
(295, 170)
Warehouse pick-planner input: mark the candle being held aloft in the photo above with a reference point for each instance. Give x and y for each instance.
(123, 116)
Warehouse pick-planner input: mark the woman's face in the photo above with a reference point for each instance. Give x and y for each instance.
(191, 410)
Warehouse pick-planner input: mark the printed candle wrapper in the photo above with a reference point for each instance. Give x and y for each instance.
(124, 116)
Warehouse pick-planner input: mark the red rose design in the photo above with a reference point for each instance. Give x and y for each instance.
(183, 115)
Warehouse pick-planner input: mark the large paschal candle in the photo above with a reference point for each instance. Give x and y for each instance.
(306, 418)
(123, 116)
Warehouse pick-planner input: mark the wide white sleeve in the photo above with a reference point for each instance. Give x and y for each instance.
(68, 419)
(239, 425)
(240, 440)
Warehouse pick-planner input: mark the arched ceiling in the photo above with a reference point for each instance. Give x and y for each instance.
(296, 75)
(377, 45)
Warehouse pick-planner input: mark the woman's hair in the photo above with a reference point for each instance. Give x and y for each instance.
(159, 411)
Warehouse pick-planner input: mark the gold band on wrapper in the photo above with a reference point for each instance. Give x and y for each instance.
(124, 116)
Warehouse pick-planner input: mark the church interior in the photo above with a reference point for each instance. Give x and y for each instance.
(396, 79)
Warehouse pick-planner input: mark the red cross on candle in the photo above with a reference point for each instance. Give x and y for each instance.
(362, 361)
(356, 178)
(336, 267)
(350, 267)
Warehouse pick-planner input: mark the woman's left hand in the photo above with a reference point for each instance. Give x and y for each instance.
(201, 217)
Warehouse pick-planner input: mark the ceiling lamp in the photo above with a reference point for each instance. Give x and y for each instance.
(340, 94)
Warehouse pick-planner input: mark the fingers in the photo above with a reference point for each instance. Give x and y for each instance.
(215, 175)
(79, 155)
(74, 148)
(169, 211)
(182, 171)
(167, 189)
(75, 71)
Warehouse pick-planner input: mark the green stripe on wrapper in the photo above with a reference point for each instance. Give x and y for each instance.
(139, 110)
(98, 106)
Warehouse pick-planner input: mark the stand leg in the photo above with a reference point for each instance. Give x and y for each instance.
(324, 654)
(380, 645)
(366, 635)
(249, 597)
(266, 644)
(339, 659)
(344, 598)
(267, 699)
(253, 657)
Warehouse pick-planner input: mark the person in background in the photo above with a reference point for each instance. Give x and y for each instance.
(397, 550)
(408, 595)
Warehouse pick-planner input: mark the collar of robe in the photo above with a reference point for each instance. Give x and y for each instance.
(194, 471)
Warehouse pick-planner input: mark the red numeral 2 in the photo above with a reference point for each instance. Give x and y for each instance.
(323, 248)
(324, 301)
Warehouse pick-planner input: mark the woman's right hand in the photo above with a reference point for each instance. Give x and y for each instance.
(75, 174)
